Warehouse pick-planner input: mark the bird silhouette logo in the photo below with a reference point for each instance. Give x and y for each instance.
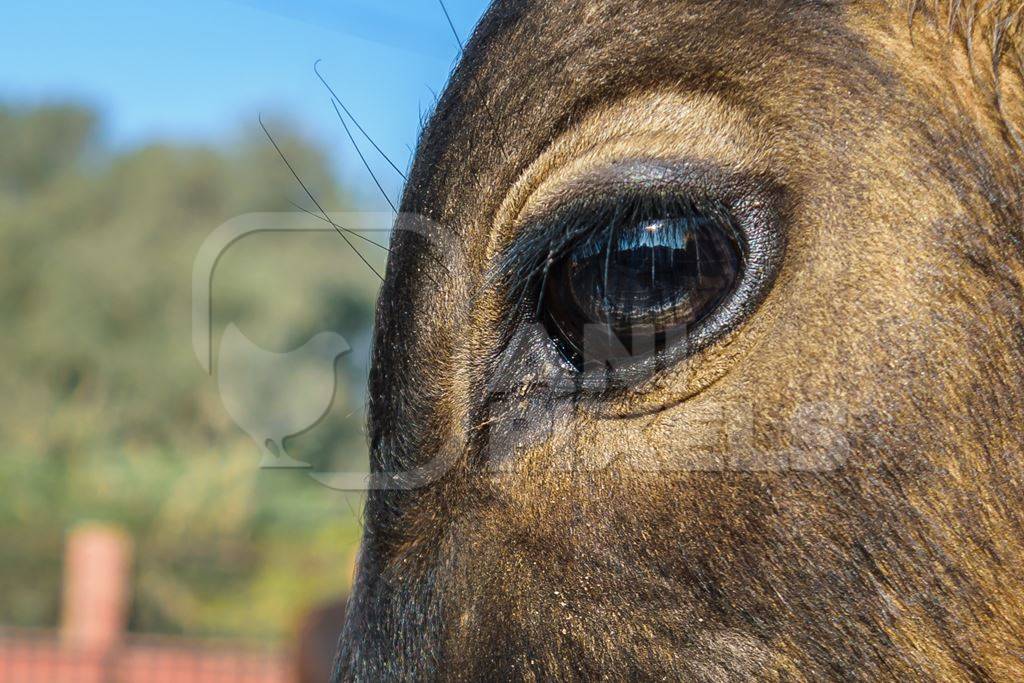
(273, 396)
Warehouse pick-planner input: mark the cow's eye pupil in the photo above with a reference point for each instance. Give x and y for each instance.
(634, 288)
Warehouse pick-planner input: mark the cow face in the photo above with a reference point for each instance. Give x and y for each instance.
(705, 354)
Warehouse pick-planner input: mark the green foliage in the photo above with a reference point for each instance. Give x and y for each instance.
(105, 412)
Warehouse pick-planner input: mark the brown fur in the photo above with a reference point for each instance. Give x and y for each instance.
(675, 530)
(991, 30)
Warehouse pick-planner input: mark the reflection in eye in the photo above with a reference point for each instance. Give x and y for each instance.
(636, 285)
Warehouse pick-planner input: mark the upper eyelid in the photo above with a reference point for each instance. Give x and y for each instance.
(673, 122)
(699, 180)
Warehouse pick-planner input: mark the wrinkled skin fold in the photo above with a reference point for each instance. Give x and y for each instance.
(830, 488)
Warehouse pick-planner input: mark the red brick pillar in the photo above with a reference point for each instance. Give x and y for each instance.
(97, 563)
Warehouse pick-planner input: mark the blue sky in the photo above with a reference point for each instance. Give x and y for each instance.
(203, 70)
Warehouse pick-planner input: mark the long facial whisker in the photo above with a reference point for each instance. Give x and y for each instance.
(369, 138)
(338, 227)
(313, 199)
(451, 25)
(367, 239)
(337, 103)
(362, 158)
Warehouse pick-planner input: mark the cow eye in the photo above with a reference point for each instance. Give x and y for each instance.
(639, 281)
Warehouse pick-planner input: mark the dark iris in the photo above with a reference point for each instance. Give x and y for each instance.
(632, 289)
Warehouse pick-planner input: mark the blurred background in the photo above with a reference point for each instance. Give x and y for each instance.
(142, 540)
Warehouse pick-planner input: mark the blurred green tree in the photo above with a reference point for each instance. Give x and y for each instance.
(104, 411)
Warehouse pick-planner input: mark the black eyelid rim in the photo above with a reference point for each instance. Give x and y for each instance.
(705, 184)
